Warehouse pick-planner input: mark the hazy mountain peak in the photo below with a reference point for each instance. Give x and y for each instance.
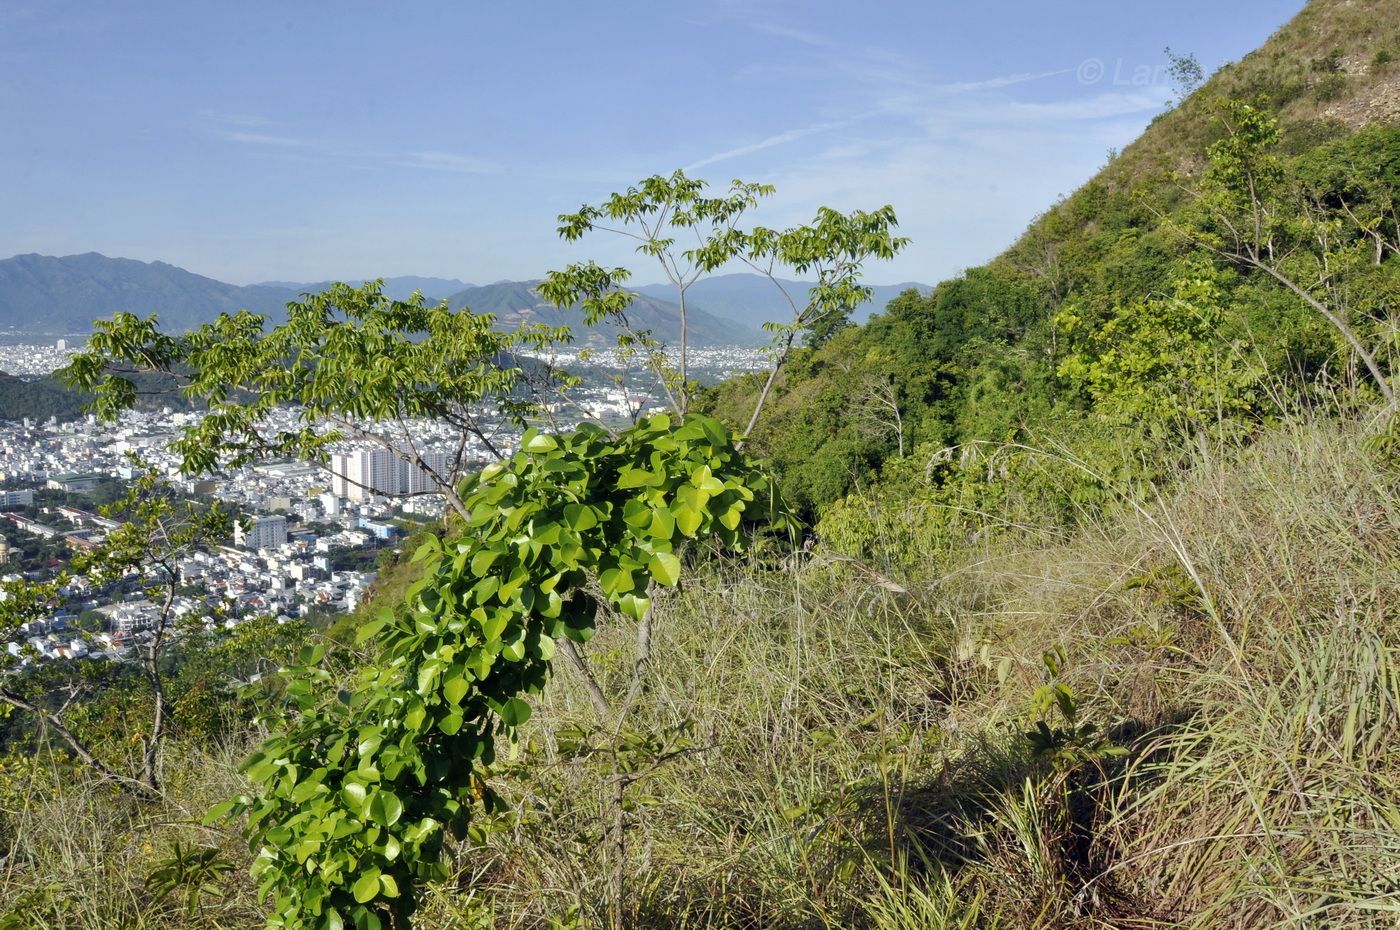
(752, 299)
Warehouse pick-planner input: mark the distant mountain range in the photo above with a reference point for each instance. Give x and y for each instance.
(43, 294)
(515, 302)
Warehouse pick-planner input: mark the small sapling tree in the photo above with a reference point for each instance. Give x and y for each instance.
(692, 234)
(158, 530)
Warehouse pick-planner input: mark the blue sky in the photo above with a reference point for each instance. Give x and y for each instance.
(299, 140)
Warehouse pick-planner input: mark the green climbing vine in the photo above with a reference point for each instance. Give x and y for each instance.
(359, 791)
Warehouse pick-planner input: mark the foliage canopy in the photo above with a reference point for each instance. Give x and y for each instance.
(361, 788)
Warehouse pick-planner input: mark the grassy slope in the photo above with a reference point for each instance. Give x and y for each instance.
(1250, 671)
(859, 757)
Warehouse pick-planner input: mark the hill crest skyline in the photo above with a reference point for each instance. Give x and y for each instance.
(47, 294)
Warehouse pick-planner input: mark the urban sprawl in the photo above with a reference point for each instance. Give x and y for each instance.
(306, 538)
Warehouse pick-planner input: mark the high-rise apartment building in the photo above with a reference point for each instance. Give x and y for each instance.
(366, 473)
(261, 533)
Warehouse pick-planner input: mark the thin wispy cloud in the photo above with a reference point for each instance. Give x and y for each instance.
(260, 138)
(781, 138)
(444, 161)
(879, 74)
(253, 130)
(249, 129)
(1108, 105)
(219, 117)
(796, 35)
(1005, 80)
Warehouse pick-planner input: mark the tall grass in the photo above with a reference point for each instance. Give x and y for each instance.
(854, 753)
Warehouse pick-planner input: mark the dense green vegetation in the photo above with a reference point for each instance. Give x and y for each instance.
(1096, 627)
(41, 398)
(1117, 312)
(38, 399)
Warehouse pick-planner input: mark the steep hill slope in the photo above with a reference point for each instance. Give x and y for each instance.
(1331, 70)
(984, 357)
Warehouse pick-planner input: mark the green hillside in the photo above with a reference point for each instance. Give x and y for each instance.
(983, 358)
(41, 398)
(1092, 624)
(38, 399)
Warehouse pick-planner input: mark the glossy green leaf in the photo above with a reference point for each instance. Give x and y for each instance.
(665, 568)
(515, 712)
(366, 887)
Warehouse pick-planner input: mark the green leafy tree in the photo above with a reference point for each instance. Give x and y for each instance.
(1159, 364)
(361, 788)
(354, 363)
(692, 234)
(158, 530)
(1250, 210)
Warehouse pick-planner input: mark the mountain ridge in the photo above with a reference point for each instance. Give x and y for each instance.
(752, 299)
(399, 287)
(517, 302)
(48, 294)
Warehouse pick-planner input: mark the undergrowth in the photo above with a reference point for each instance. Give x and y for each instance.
(1181, 715)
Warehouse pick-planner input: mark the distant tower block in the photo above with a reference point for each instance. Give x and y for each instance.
(366, 473)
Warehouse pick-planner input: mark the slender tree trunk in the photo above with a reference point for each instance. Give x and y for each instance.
(1337, 322)
(150, 756)
(617, 875)
(78, 747)
(685, 392)
(590, 683)
(763, 394)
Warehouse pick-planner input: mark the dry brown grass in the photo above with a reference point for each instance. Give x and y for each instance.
(858, 757)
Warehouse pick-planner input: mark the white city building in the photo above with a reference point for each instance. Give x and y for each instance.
(261, 533)
(366, 473)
